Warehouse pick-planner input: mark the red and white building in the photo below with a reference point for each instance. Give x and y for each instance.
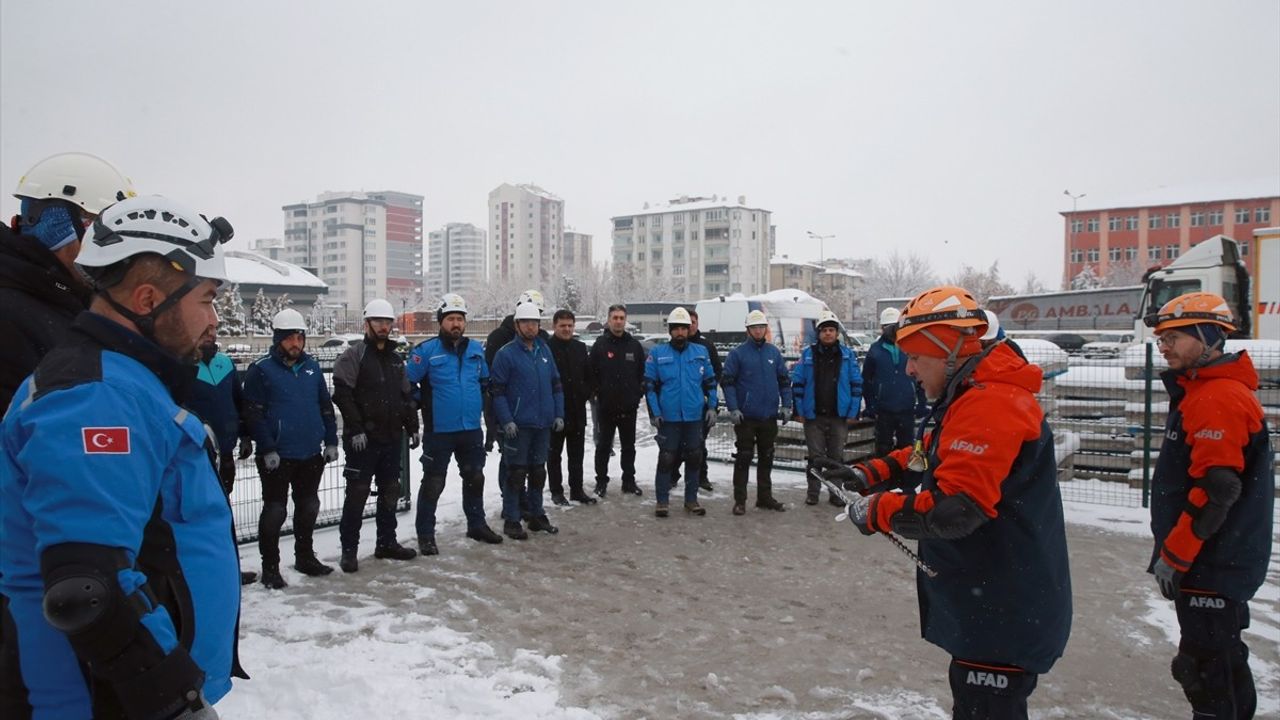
(1149, 229)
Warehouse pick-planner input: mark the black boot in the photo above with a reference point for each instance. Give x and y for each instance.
(559, 499)
(770, 504)
(602, 487)
(705, 484)
(427, 545)
(514, 530)
(542, 524)
(271, 577)
(309, 564)
(835, 500)
(631, 488)
(248, 577)
(581, 497)
(348, 561)
(484, 534)
(394, 551)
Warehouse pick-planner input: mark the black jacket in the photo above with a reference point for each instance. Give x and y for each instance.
(576, 379)
(617, 365)
(372, 392)
(38, 302)
(716, 364)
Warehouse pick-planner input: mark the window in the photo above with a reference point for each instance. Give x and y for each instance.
(657, 221)
(1131, 253)
(1242, 216)
(1171, 252)
(1113, 254)
(1153, 252)
(1215, 217)
(1113, 224)
(1244, 249)
(714, 215)
(1197, 219)
(1077, 226)
(1094, 254)
(677, 269)
(330, 209)
(1093, 224)
(300, 213)
(656, 255)
(1131, 222)
(640, 256)
(1077, 256)
(1173, 220)
(1262, 215)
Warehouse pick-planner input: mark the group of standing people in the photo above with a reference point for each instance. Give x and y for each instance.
(119, 595)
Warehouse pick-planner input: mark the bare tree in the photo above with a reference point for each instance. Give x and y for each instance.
(983, 284)
(1126, 272)
(1086, 279)
(897, 276)
(1031, 285)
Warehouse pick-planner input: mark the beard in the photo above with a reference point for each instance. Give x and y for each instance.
(171, 335)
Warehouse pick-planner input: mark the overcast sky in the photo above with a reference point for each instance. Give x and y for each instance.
(948, 128)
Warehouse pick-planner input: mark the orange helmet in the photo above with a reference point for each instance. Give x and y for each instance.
(942, 305)
(1192, 309)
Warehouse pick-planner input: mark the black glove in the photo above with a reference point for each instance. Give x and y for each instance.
(415, 439)
(246, 447)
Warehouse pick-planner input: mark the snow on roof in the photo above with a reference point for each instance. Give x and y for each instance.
(692, 205)
(245, 267)
(1239, 189)
(788, 261)
(842, 271)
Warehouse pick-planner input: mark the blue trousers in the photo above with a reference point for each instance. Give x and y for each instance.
(679, 442)
(467, 447)
(525, 457)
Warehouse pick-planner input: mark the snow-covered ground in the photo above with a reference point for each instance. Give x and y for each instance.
(622, 615)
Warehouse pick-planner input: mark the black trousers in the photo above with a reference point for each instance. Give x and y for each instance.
(625, 426)
(303, 476)
(989, 691)
(894, 430)
(755, 439)
(1212, 664)
(575, 438)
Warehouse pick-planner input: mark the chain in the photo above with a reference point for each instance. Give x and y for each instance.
(838, 491)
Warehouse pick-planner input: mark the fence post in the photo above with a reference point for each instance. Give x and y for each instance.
(406, 484)
(1148, 371)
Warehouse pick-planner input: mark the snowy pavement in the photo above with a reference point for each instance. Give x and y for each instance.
(622, 615)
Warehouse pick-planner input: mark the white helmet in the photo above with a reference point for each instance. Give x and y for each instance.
(528, 311)
(289, 319)
(532, 296)
(379, 308)
(825, 317)
(451, 303)
(756, 317)
(889, 316)
(81, 179)
(159, 226)
(679, 316)
(993, 326)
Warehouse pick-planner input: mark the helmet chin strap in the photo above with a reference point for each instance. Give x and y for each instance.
(952, 352)
(146, 324)
(1206, 348)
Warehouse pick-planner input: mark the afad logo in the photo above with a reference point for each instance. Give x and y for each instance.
(1201, 601)
(1208, 434)
(986, 679)
(962, 446)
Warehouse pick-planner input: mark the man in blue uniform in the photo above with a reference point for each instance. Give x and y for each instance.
(828, 395)
(290, 415)
(892, 397)
(528, 403)
(216, 398)
(680, 386)
(451, 378)
(757, 392)
(116, 550)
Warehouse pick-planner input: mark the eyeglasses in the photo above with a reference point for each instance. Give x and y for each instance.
(1167, 339)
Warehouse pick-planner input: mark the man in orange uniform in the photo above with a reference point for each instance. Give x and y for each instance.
(980, 493)
(1211, 502)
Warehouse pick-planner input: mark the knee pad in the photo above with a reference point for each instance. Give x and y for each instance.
(273, 515)
(537, 478)
(693, 456)
(668, 460)
(516, 475)
(433, 485)
(472, 483)
(307, 510)
(357, 488)
(1203, 679)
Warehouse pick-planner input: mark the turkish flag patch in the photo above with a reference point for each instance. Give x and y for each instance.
(108, 440)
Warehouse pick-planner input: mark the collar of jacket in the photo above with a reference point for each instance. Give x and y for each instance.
(617, 339)
(278, 355)
(172, 372)
(27, 265)
(1231, 366)
(450, 346)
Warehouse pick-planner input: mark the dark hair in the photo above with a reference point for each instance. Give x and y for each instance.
(617, 306)
(563, 314)
(693, 314)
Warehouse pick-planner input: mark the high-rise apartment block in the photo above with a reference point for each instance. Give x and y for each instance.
(575, 253)
(699, 246)
(526, 227)
(363, 245)
(455, 260)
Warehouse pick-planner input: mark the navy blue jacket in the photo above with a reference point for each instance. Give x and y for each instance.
(525, 385)
(216, 398)
(451, 381)
(886, 386)
(288, 408)
(848, 385)
(101, 467)
(755, 380)
(680, 384)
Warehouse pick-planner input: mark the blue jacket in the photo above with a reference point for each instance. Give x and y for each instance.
(102, 471)
(451, 384)
(848, 386)
(887, 388)
(755, 380)
(525, 385)
(216, 398)
(288, 408)
(680, 385)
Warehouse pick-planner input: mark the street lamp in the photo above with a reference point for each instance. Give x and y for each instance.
(821, 255)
